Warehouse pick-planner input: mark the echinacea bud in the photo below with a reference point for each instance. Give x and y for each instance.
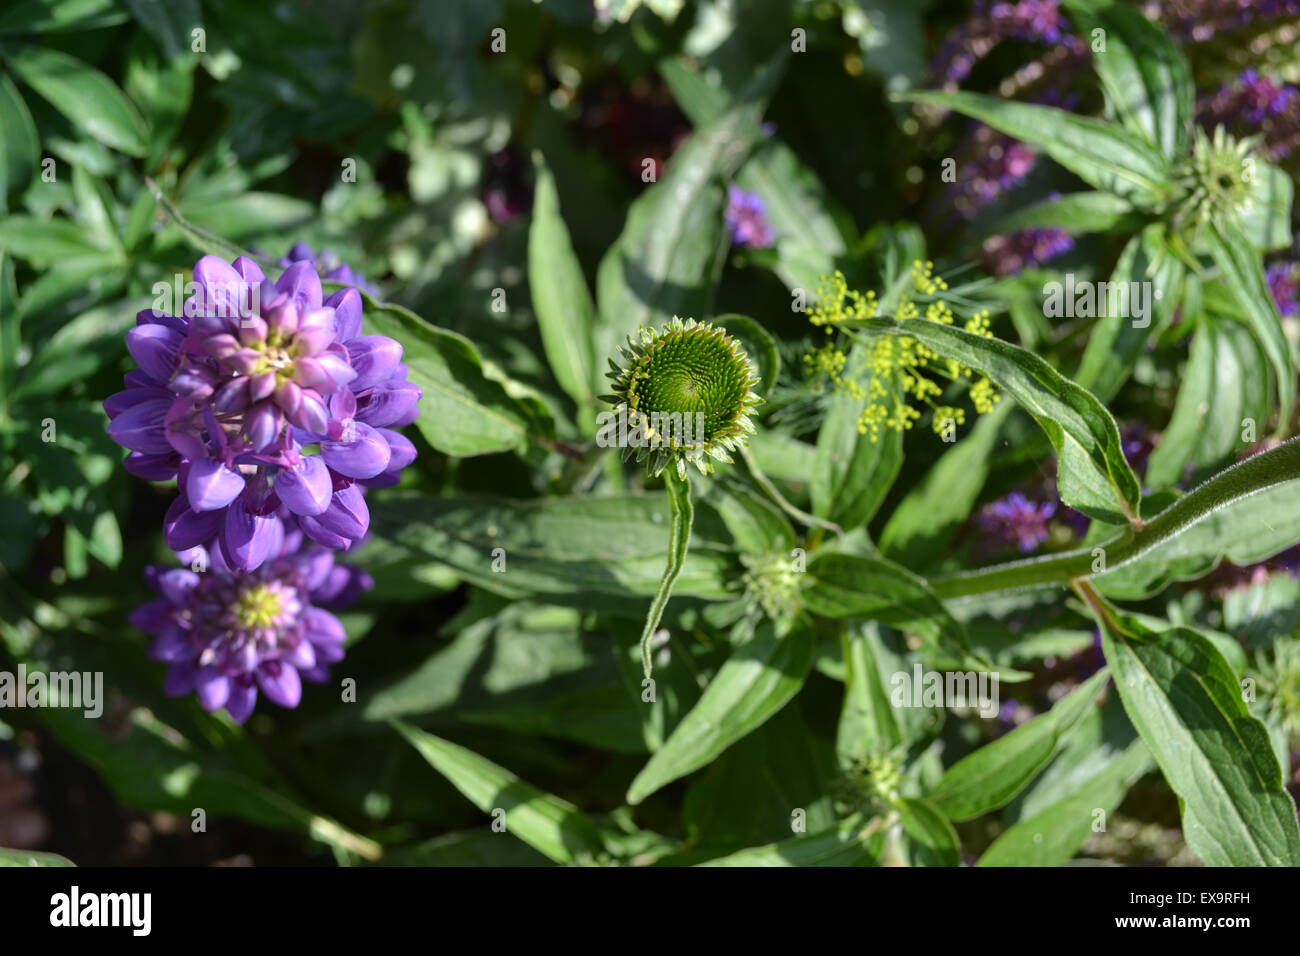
(689, 387)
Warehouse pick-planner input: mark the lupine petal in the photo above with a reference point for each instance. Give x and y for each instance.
(249, 539)
(365, 456)
(305, 488)
(347, 313)
(183, 529)
(155, 348)
(140, 427)
(301, 283)
(213, 688)
(280, 682)
(210, 485)
(373, 358)
(242, 700)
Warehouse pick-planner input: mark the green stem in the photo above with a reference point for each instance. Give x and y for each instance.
(679, 539)
(771, 491)
(1263, 471)
(201, 238)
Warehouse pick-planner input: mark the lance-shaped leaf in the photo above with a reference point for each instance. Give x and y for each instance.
(1102, 154)
(931, 839)
(565, 313)
(554, 827)
(758, 679)
(1239, 263)
(1184, 700)
(1146, 79)
(992, 775)
(1075, 213)
(668, 257)
(467, 408)
(1147, 278)
(874, 589)
(1092, 474)
(849, 844)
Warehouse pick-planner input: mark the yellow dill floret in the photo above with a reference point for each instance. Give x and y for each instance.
(983, 396)
(978, 324)
(938, 311)
(944, 414)
(924, 279)
(836, 302)
(828, 360)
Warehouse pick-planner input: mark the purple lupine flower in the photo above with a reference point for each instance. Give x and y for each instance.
(747, 219)
(1138, 442)
(1008, 254)
(328, 266)
(231, 397)
(1016, 521)
(229, 634)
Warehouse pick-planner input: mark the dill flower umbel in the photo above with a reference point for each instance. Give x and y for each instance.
(893, 374)
(688, 389)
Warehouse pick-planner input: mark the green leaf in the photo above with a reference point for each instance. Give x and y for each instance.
(79, 348)
(19, 145)
(41, 16)
(1185, 702)
(249, 214)
(869, 724)
(1220, 388)
(1076, 213)
(849, 844)
(169, 22)
(1119, 336)
(1054, 834)
(1101, 154)
(931, 840)
(10, 327)
(758, 345)
(996, 772)
(467, 409)
(669, 254)
(566, 315)
(1266, 217)
(757, 526)
(758, 679)
(861, 586)
(1093, 475)
(47, 241)
(88, 98)
(577, 548)
(1240, 265)
(924, 522)
(852, 473)
(31, 858)
(553, 827)
(1147, 81)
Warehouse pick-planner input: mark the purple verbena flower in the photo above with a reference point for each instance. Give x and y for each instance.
(1016, 521)
(229, 634)
(992, 23)
(1202, 20)
(269, 406)
(747, 219)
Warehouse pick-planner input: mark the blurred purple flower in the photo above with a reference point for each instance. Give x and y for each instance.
(1201, 20)
(1016, 521)
(328, 266)
(1010, 253)
(507, 192)
(990, 24)
(1283, 286)
(229, 397)
(229, 634)
(747, 219)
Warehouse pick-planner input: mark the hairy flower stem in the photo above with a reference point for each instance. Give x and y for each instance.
(771, 491)
(679, 538)
(1263, 471)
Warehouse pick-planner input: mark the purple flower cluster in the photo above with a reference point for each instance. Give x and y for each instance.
(1038, 21)
(1008, 254)
(1016, 521)
(226, 634)
(275, 413)
(1284, 286)
(328, 266)
(1201, 20)
(1255, 105)
(269, 406)
(747, 219)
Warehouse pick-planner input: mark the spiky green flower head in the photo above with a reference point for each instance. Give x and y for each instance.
(1216, 180)
(1278, 685)
(688, 388)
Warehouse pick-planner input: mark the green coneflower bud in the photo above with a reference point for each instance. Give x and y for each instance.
(688, 388)
(1278, 683)
(1216, 180)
